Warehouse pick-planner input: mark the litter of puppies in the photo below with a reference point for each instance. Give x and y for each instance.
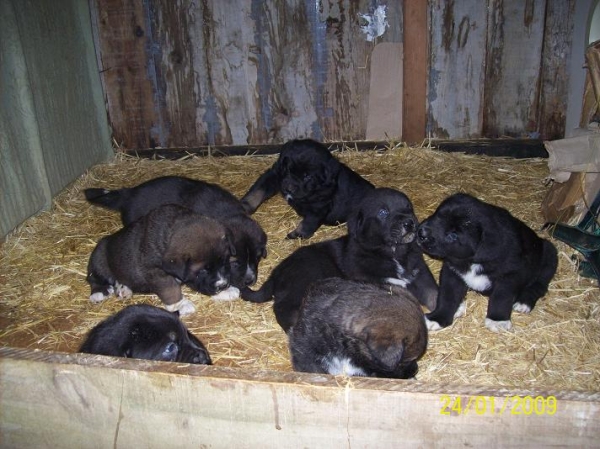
(46, 297)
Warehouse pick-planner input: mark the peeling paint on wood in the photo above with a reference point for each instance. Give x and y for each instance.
(456, 70)
(187, 73)
(515, 44)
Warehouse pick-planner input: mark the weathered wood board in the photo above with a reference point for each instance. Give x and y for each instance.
(515, 38)
(53, 122)
(68, 400)
(457, 69)
(187, 74)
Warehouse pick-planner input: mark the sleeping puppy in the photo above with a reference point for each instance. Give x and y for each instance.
(485, 248)
(207, 199)
(145, 332)
(356, 329)
(319, 188)
(383, 221)
(157, 253)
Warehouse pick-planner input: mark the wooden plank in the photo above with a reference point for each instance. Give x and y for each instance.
(457, 69)
(24, 188)
(516, 148)
(344, 63)
(69, 400)
(123, 36)
(245, 150)
(558, 38)
(384, 120)
(61, 68)
(512, 82)
(416, 50)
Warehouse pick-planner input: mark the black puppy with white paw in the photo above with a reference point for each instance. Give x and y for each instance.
(321, 189)
(383, 222)
(485, 248)
(146, 332)
(204, 198)
(357, 329)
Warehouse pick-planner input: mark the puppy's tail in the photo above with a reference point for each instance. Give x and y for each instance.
(263, 294)
(111, 199)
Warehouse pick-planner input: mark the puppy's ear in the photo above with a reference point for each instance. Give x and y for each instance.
(355, 223)
(175, 266)
(230, 242)
(383, 349)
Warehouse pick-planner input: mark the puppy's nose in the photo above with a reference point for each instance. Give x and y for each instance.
(221, 283)
(250, 277)
(423, 234)
(409, 225)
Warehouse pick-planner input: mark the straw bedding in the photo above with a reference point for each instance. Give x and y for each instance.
(44, 296)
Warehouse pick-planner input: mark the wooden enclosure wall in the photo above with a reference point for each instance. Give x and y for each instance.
(53, 123)
(229, 72)
(52, 400)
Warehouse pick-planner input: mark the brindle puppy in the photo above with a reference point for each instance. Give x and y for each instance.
(356, 329)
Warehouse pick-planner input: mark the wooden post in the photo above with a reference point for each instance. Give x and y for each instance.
(416, 43)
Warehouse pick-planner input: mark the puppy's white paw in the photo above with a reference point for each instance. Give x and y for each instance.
(184, 307)
(99, 296)
(462, 309)
(229, 294)
(432, 325)
(122, 291)
(498, 326)
(520, 307)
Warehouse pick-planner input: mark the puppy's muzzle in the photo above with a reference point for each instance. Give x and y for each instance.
(424, 237)
(405, 233)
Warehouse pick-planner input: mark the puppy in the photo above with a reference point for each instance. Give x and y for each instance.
(207, 199)
(157, 253)
(355, 329)
(319, 188)
(485, 248)
(383, 222)
(146, 332)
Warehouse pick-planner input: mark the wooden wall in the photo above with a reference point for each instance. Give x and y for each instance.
(53, 122)
(185, 73)
(53, 400)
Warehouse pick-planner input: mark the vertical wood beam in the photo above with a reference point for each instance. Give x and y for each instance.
(416, 51)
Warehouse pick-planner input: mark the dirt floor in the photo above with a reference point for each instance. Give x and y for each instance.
(44, 296)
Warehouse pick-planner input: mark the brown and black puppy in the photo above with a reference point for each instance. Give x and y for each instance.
(168, 247)
(207, 199)
(145, 332)
(319, 188)
(383, 221)
(357, 329)
(485, 248)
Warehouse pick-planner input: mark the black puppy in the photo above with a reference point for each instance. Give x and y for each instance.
(383, 221)
(157, 253)
(319, 188)
(145, 332)
(356, 329)
(208, 199)
(485, 248)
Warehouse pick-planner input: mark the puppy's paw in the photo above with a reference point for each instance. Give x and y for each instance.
(432, 325)
(229, 294)
(101, 296)
(521, 308)
(462, 309)
(184, 307)
(122, 291)
(395, 281)
(498, 326)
